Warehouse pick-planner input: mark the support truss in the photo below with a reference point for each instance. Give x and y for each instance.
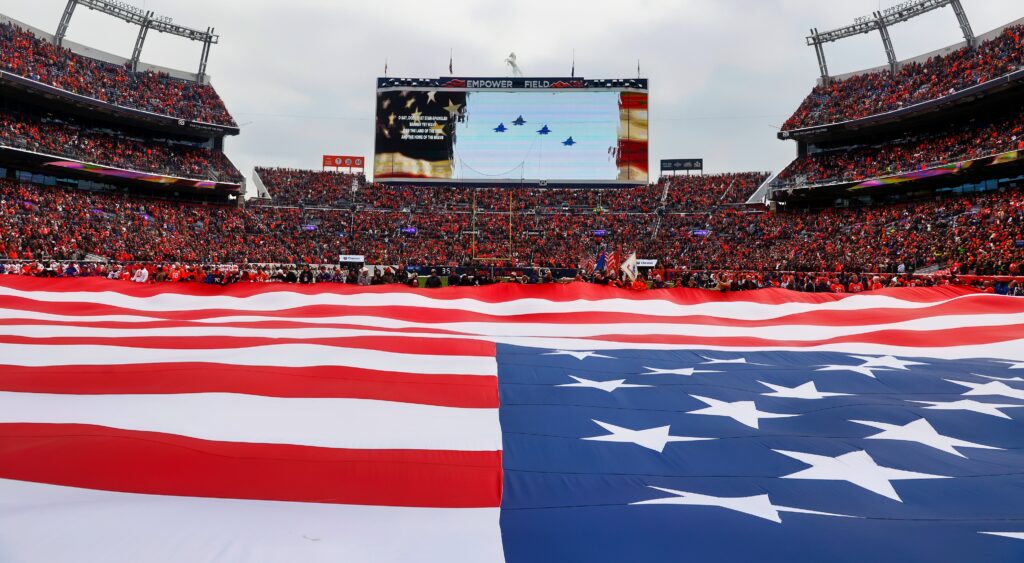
(146, 20)
(880, 22)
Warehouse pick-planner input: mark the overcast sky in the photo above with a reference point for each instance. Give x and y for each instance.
(298, 75)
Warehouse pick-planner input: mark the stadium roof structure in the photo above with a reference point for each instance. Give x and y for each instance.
(1008, 85)
(996, 89)
(12, 84)
(880, 21)
(146, 20)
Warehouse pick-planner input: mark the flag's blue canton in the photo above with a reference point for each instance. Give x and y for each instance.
(592, 474)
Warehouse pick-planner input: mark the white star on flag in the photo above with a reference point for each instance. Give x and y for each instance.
(1011, 535)
(759, 505)
(863, 370)
(579, 355)
(1014, 365)
(886, 362)
(856, 467)
(804, 391)
(744, 412)
(1016, 379)
(728, 361)
(991, 409)
(679, 371)
(922, 432)
(650, 438)
(606, 386)
(992, 388)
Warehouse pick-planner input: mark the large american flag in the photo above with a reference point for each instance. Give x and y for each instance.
(269, 423)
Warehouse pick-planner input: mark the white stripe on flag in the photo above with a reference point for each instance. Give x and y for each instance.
(228, 417)
(281, 355)
(38, 355)
(568, 330)
(1008, 350)
(53, 524)
(282, 300)
(37, 316)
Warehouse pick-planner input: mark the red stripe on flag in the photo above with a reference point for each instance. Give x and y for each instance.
(465, 391)
(633, 100)
(289, 318)
(960, 336)
(498, 293)
(392, 344)
(95, 457)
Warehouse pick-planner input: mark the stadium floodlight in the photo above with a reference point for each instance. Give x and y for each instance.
(146, 20)
(880, 21)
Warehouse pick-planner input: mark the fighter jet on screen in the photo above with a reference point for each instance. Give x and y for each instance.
(519, 121)
(569, 142)
(544, 130)
(500, 128)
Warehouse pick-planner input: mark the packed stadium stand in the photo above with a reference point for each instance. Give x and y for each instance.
(850, 212)
(914, 150)
(94, 122)
(73, 137)
(964, 233)
(950, 120)
(868, 94)
(289, 186)
(35, 58)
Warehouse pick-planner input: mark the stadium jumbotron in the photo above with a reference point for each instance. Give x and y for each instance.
(263, 299)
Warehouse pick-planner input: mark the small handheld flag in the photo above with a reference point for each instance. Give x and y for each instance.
(613, 262)
(629, 267)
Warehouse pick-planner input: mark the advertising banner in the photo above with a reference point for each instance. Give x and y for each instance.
(337, 161)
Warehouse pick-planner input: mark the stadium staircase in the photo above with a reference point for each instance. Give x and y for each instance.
(760, 195)
(261, 189)
(661, 203)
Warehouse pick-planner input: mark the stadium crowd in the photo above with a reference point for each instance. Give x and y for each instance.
(907, 153)
(809, 282)
(27, 55)
(689, 194)
(311, 188)
(292, 187)
(978, 234)
(872, 93)
(72, 140)
(969, 234)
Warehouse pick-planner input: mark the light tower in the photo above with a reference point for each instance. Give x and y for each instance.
(146, 20)
(881, 21)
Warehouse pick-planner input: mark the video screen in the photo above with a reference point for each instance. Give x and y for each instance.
(575, 136)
